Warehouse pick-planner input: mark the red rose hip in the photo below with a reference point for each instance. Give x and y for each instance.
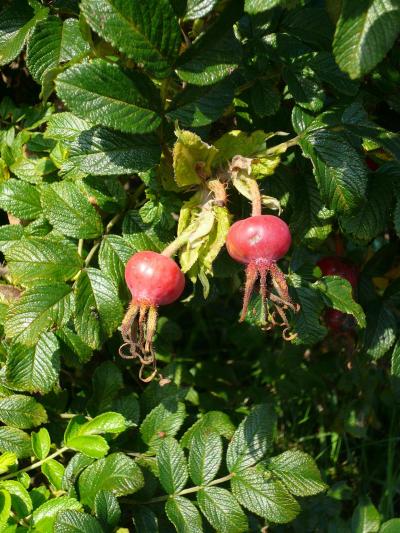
(153, 279)
(259, 241)
(259, 237)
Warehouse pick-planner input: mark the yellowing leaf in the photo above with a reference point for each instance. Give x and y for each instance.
(192, 159)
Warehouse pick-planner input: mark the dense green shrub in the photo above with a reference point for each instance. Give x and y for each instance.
(128, 125)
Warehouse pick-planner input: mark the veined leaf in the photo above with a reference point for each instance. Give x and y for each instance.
(252, 440)
(22, 412)
(163, 421)
(20, 198)
(116, 473)
(365, 32)
(265, 497)
(98, 311)
(222, 510)
(37, 310)
(298, 472)
(70, 212)
(171, 465)
(42, 259)
(205, 456)
(16, 441)
(107, 95)
(104, 152)
(215, 54)
(338, 292)
(72, 521)
(34, 369)
(53, 42)
(184, 515)
(65, 126)
(148, 32)
(16, 22)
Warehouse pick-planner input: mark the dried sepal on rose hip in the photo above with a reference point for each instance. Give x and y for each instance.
(259, 242)
(153, 279)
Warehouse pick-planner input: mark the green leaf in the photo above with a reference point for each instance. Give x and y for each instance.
(54, 472)
(371, 217)
(16, 441)
(253, 438)
(222, 510)
(366, 518)
(128, 406)
(391, 526)
(5, 507)
(47, 258)
(113, 255)
(218, 421)
(380, 333)
(312, 223)
(338, 292)
(41, 443)
(236, 142)
(107, 509)
(20, 199)
(172, 466)
(44, 517)
(104, 152)
(395, 365)
(142, 236)
(199, 106)
(107, 95)
(215, 54)
(339, 170)
(73, 469)
(22, 412)
(37, 310)
(98, 311)
(307, 321)
(76, 522)
(145, 520)
(34, 369)
(257, 6)
(21, 502)
(107, 382)
(162, 421)
(104, 423)
(116, 473)
(9, 234)
(71, 341)
(7, 459)
(298, 472)
(65, 126)
(265, 497)
(16, 22)
(205, 456)
(91, 445)
(53, 42)
(305, 87)
(365, 32)
(184, 515)
(196, 9)
(325, 67)
(148, 32)
(192, 156)
(265, 98)
(70, 212)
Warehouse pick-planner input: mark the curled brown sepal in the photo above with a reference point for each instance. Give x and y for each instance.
(138, 329)
(271, 278)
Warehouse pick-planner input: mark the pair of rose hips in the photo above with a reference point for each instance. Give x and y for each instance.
(155, 279)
